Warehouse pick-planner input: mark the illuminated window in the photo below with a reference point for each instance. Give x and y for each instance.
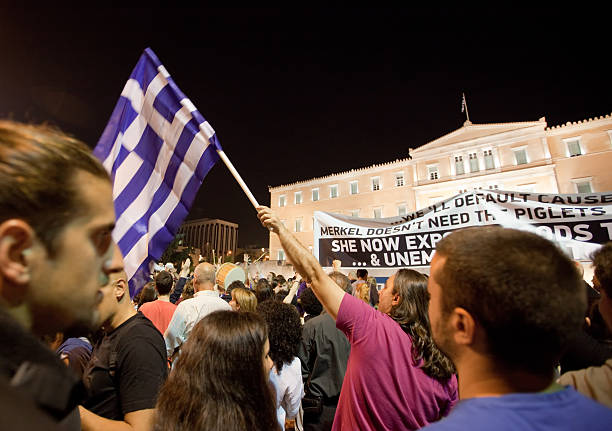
(432, 172)
(298, 224)
(333, 191)
(459, 167)
(573, 148)
(399, 179)
(488, 159)
(520, 155)
(354, 187)
(473, 162)
(375, 184)
(315, 195)
(377, 212)
(298, 198)
(282, 201)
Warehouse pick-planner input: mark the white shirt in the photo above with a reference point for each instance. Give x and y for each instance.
(188, 313)
(289, 390)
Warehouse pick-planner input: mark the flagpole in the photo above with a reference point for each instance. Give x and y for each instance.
(236, 175)
(467, 114)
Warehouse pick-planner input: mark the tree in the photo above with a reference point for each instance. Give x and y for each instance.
(176, 252)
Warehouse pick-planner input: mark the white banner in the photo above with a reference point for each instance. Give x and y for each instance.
(579, 223)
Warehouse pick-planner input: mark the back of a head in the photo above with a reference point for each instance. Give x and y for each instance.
(284, 330)
(147, 294)
(602, 261)
(519, 287)
(245, 298)
(204, 274)
(263, 291)
(164, 282)
(38, 165)
(362, 273)
(234, 285)
(310, 303)
(341, 280)
(219, 381)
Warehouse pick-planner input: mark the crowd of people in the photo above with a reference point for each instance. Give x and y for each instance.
(498, 335)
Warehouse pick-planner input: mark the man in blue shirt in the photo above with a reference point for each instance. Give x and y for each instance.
(503, 305)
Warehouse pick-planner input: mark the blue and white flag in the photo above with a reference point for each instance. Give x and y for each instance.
(157, 149)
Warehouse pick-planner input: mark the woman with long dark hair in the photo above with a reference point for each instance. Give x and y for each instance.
(220, 380)
(411, 313)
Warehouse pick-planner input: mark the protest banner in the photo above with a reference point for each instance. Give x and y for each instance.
(578, 223)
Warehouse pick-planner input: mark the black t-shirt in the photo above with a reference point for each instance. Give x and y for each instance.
(126, 370)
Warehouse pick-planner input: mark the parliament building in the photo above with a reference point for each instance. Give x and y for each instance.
(575, 157)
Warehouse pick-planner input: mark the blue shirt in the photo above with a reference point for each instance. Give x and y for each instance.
(557, 411)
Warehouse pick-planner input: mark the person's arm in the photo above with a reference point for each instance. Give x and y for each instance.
(289, 298)
(328, 292)
(173, 337)
(140, 420)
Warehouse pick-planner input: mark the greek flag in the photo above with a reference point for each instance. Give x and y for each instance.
(157, 149)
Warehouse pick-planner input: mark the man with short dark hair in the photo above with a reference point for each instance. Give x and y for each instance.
(503, 305)
(161, 310)
(127, 366)
(56, 253)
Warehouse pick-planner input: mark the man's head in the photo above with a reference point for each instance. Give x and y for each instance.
(341, 280)
(602, 261)
(115, 301)
(362, 274)
(164, 283)
(204, 277)
(56, 218)
(511, 295)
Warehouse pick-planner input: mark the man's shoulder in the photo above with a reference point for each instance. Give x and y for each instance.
(137, 326)
(563, 410)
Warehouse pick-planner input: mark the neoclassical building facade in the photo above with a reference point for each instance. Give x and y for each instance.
(575, 157)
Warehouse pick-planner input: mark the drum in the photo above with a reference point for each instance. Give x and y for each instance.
(228, 273)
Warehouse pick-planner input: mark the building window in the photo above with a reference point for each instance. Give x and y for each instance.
(432, 172)
(584, 186)
(488, 159)
(520, 155)
(354, 185)
(282, 201)
(377, 212)
(281, 255)
(315, 195)
(354, 213)
(298, 224)
(298, 198)
(284, 222)
(333, 191)
(573, 147)
(399, 179)
(313, 224)
(459, 167)
(375, 184)
(473, 162)
(402, 210)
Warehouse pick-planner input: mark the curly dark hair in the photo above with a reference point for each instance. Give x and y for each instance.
(411, 314)
(310, 303)
(602, 261)
(284, 331)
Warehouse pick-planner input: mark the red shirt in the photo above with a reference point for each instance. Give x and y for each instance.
(159, 312)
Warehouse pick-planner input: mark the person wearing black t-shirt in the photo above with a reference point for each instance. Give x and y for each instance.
(127, 367)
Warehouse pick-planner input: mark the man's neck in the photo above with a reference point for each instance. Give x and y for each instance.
(481, 378)
(123, 313)
(165, 298)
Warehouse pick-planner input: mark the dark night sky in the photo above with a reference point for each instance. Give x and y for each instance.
(299, 93)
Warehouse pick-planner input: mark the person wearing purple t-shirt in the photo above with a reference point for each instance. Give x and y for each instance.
(396, 378)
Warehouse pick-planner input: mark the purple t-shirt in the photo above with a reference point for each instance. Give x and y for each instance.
(383, 388)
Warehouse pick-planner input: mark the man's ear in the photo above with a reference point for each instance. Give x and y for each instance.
(121, 289)
(463, 326)
(16, 241)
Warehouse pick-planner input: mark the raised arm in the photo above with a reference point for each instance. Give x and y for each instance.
(328, 292)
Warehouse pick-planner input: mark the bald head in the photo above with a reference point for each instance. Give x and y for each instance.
(204, 277)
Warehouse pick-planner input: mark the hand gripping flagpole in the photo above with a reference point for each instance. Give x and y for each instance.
(236, 175)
